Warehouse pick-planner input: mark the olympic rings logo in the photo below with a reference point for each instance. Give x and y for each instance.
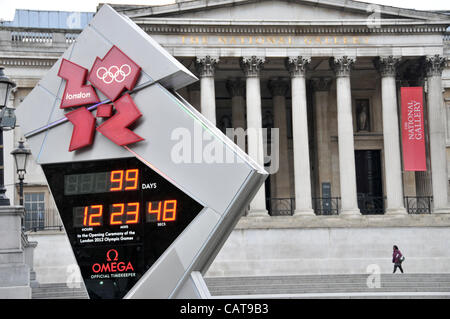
(114, 73)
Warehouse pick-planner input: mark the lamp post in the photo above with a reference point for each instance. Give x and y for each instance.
(8, 121)
(20, 157)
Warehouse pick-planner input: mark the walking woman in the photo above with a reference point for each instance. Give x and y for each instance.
(397, 259)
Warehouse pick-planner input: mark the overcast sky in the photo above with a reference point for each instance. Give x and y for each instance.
(7, 7)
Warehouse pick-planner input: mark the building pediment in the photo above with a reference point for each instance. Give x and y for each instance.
(289, 10)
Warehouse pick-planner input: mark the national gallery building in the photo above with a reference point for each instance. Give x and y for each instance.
(325, 79)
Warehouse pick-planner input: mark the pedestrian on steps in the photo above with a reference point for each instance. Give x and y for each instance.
(397, 259)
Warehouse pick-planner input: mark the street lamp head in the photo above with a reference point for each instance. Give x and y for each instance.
(8, 119)
(21, 154)
(5, 87)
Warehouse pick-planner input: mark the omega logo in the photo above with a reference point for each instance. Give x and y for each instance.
(112, 265)
(116, 255)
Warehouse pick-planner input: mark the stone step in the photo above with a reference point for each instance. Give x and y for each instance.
(59, 291)
(322, 291)
(397, 276)
(60, 297)
(328, 284)
(47, 296)
(436, 284)
(383, 279)
(356, 295)
(348, 287)
(330, 291)
(335, 282)
(345, 285)
(316, 277)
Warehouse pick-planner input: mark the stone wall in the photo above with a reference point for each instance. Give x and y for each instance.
(54, 261)
(348, 247)
(281, 246)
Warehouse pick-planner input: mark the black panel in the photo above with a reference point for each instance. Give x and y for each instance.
(148, 214)
(369, 183)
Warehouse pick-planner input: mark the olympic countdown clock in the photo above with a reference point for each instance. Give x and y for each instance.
(103, 126)
(119, 221)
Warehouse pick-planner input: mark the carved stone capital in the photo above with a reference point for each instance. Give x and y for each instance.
(236, 87)
(278, 87)
(298, 65)
(321, 84)
(435, 65)
(387, 65)
(342, 66)
(206, 65)
(252, 65)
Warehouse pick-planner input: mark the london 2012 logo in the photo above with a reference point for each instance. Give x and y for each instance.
(112, 75)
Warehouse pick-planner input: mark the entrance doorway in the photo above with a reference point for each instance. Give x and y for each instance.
(369, 184)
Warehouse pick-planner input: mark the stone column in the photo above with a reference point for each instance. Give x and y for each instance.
(302, 171)
(206, 68)
(436, 115)
(423, 178)
(279, 89)
(392, 155)
(236, 89)
(342, 67)
(255, 148)
(321, 87)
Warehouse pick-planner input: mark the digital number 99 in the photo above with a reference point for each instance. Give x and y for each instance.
(124, 180)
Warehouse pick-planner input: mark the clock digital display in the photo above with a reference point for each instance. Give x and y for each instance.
(94, 183)
(125, 213)
(120, 216)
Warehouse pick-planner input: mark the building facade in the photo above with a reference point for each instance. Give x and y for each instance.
(327, 76)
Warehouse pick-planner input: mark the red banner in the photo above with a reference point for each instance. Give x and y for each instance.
(413, 132)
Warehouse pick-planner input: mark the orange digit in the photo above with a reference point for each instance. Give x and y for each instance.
(98, 214)
(154, 211)
(114, 179)
(117, 213)
(172, 210)
(85, 216)
(134, 179)
(134, 212)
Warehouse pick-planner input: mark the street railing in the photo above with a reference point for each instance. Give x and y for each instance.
(40, 220)
(281, 206)
(418, 204)
(326, 205)
(371, 205)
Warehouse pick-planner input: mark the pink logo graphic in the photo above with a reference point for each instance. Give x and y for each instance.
(76, 92)
(83, 128)
(116, 128)
(112, 75)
